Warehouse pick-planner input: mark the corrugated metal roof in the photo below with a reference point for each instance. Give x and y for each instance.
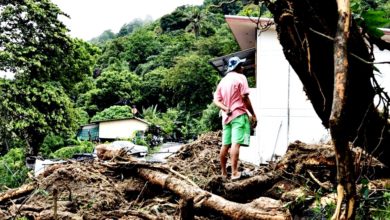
(220, 63)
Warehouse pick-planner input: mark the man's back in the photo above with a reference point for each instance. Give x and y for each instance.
(230, 91)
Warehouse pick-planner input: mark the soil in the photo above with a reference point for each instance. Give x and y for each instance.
(303, 179)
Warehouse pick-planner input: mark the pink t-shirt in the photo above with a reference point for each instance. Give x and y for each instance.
(230, 91)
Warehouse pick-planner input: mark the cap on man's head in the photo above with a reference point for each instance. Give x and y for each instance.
(234, 62)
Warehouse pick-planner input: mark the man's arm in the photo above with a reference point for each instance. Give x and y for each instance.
(220, 105)
(248, 105)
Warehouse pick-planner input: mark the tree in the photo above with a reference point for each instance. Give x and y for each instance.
(103, 37)
(192, 80)
(139, 46)
(197, 22)
(220, 44)
(35, 110)
(174, 21)
(210, 120)
(46, 62)
(223, 7)
(33, 41)
(152, 90)
(77, 66)
(112, 51)
(115, 87)
(335, 66)
(130, 27)
(167, 121)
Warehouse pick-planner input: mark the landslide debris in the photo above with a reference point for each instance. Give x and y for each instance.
(303, 179)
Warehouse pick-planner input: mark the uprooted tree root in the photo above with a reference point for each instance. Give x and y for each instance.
(188, 186)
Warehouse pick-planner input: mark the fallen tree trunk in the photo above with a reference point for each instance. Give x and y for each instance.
(17, 193)
(250, 188)
(214, 202)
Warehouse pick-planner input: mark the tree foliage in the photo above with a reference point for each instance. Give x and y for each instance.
(36, 109)
(223, 7)
(168, 121)
(115, 87)
(113, 112)
(130, 27)
(175, 20)
(103, 37)
(33, 40)
(192, 80)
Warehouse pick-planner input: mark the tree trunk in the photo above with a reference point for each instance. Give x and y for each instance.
(339, 124)
(202, 198)
(16, 193)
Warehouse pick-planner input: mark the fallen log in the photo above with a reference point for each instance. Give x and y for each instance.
(211, 201)
(16, 193)
(251, 188)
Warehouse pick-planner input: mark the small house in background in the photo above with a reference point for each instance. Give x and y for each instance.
(282, 108)
(113, 129)
(125, 128)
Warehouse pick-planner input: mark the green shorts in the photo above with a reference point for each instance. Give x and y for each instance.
(237, 131)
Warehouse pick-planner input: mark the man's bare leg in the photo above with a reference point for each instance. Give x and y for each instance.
(223, 158)
(234, 155)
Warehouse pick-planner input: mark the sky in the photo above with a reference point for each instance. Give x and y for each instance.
(90, 18)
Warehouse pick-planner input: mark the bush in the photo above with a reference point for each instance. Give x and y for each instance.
(50, 144)
(13, 170)
(113, 112)
(140, 141)
(68, 152)
(210, 120)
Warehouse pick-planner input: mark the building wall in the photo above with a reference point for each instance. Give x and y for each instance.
(121, 129)
(279, 94)
(383, 77)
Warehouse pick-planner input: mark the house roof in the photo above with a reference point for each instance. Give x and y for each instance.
(122, 119)
(220, 63)
(90, 124)
(245, 29)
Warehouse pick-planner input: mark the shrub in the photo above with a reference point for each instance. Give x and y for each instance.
(50, 144)
(113, 112)
(68, 152)
(13, 170)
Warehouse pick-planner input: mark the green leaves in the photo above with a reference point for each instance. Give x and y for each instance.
(371, 15)
(34, 109)
(29, 31)
(374, 20)
(13, 171)
(113, 87)
(113, 112)
(193, 81)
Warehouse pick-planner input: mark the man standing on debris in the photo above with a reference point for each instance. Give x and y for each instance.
(232, 97)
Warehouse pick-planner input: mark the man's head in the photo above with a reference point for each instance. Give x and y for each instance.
(235, 64)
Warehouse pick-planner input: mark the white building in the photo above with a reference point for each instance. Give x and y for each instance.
(121, 128)
(282, 108)
(114, 129)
